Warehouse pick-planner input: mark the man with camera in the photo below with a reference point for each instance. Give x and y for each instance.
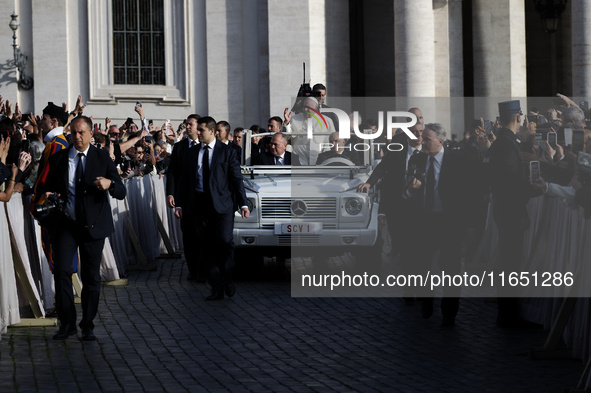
(80, 176)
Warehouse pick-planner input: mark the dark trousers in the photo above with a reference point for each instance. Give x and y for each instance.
(431, 233)
(511, 232)
(195, 265)
(65, 240)
(215, 242)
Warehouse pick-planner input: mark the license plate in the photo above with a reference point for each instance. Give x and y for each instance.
(302, 228)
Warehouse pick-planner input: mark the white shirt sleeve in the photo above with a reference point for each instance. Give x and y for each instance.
(558, 191)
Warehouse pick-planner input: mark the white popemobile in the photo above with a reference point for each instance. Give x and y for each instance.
(313, 208)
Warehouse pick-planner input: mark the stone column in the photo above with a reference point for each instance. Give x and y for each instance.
(499, 53)
(581, 48)
(414, 53)
(338, 60)
(289, 47)
(50, 52)
(449, 67)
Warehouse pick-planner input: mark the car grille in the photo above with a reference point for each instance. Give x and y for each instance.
(280, 208)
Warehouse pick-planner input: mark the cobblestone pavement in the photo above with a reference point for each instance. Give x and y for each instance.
(158, 334)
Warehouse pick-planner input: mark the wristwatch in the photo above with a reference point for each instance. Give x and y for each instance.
(112, 184)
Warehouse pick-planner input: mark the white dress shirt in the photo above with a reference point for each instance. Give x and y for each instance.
(200, 162)
(72, 164)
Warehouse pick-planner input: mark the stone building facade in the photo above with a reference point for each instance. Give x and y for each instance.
(241, 60)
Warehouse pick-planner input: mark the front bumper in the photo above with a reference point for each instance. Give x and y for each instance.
(252, 238)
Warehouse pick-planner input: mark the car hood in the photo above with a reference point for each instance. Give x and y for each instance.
(305, 184)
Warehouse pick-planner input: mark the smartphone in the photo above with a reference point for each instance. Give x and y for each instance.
(488, 125)
(541, 148)
(3, 134)
(150, 121)
(584, 106)
(538, 137)
(26, 146)
(551, 138)
(138, 103)
(125, 166)
(578, 140)
(534, 171)
(532, 118)
(568, 136)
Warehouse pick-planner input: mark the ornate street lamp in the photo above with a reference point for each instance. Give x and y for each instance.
(550, 11)
(20, 60)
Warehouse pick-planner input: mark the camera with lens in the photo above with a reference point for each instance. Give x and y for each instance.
(53, 207)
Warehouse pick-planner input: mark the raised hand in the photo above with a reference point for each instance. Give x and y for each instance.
(4, 147)
(287, 115)
(17, 113)
(79, 108)
(24, 159)
(8, 109)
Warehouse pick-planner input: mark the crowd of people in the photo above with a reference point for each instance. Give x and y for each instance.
(434, 192)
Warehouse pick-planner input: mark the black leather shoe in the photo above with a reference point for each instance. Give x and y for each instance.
(215, 296)
(88, 335)
(64, 332)
(427, 308)
(230, 289)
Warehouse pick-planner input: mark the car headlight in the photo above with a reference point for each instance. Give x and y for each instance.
(353, 206)
(250, 203)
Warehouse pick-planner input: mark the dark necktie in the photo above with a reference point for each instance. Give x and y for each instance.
(205, 166)
(78, 202)
(430, 195)
(278, 161)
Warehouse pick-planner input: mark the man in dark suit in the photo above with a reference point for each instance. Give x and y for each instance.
(439, 198)
(510, 190)
(390, 174)
(178, 159)
(278, 155)
(210, 184)
(81, 175)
